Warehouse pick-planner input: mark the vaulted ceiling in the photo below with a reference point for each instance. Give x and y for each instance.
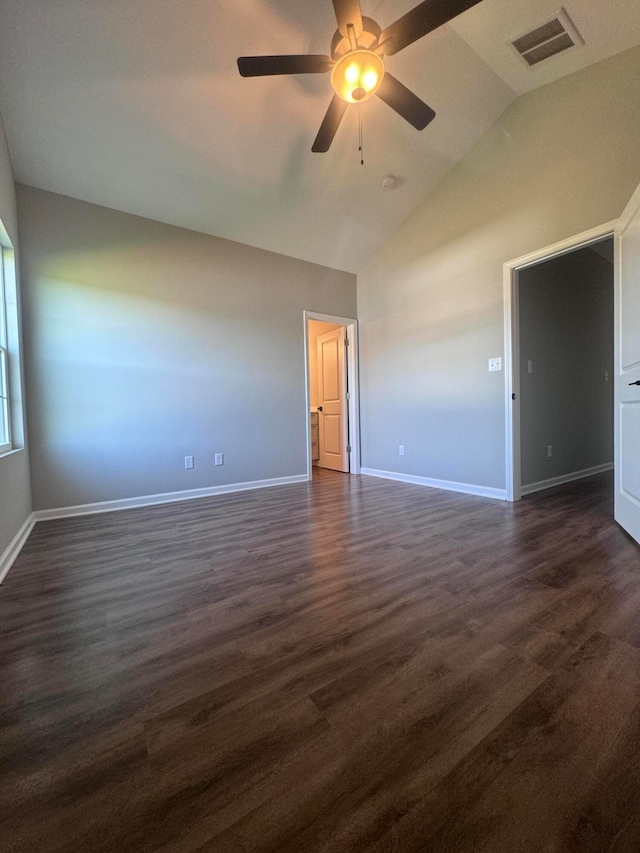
(138, 105)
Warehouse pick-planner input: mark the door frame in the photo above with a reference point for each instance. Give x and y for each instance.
(353, 406)
(512, 340)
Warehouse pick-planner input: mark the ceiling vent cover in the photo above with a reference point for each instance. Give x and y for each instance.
(555, 35)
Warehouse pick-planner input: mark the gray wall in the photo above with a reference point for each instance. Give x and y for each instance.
(566, 331)
(15, 491)
(561, 160)
(146, 343)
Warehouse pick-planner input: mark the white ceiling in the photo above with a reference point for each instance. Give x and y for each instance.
(138, 105)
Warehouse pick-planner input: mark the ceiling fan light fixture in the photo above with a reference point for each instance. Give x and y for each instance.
(357, 76)
(357, 50)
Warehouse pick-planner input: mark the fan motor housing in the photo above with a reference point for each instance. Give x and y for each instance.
(368, 39)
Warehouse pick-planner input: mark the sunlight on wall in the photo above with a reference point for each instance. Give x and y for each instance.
(149, 343)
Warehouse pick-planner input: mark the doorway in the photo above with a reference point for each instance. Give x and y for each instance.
(565, 336)
(560, 364)
(332, 393)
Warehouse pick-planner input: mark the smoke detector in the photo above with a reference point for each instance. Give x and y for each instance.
(557, 34)
(389, 183)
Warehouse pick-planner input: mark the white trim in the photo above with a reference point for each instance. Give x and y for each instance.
(511, 343)
(329, 318)
(447, 485)
(163, 498)
(354, 385)
(512, 383)
(628, 213)
(353, 370)
(7, 453)
(565, 478)
(15, 546)
(5, 402)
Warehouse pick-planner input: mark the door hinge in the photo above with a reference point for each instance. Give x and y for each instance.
(346, 342)
(348, 448)
(513, 396)
(347, 396)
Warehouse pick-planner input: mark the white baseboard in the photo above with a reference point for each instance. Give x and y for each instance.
(15, 546)
(447, 485)
(565, 478)
(165, 498)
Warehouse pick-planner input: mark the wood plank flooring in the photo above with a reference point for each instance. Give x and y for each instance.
(347, 665)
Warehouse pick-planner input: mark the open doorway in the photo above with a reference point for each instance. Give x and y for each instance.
(332, 398)
(563, 367)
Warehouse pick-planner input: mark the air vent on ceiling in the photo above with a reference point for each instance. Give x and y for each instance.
(555, 35)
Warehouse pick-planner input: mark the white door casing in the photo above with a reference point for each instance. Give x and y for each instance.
(627, 370)
(511, 340)
(332, 408)
(353, 404)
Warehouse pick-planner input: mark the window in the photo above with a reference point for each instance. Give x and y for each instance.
(5, 425)
(12, 424)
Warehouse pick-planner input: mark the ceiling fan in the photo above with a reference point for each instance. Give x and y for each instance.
(356, 63)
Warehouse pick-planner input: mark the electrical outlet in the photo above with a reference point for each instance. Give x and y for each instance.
(530, 366)
(219, 459)
(401, 450)
(188, 461)
(606, 376)
(549, 452)
(495, 364)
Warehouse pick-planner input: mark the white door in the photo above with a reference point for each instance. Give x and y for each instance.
(332, 407)
(627, 370)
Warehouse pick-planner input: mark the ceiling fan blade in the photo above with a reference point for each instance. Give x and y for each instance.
(263, 66)
(348, 12)
(404, 102)
(329, 126)
(425, 18)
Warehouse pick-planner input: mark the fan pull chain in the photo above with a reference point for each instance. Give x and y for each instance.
(360, 135)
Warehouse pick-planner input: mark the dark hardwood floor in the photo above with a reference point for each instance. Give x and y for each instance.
(348, 665)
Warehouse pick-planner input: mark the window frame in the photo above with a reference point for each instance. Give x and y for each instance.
(5, 401)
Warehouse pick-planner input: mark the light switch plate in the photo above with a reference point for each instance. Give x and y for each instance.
(495, 364)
